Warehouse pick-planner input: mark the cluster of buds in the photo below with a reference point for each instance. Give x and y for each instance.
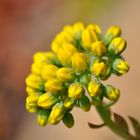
(71, 74)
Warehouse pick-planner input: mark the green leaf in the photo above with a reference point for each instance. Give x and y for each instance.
(136, 126)
(121, 122)
(94, 126)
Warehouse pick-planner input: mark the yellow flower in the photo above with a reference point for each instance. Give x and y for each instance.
(95, 28)
(40, 57)
(65, 53)
(117, 46)
(94, 88)
(75, 90)
(120, 66)
(78, 27)
(35, 81)
(47, 100)
(69, 30)
(99, 68)
(42, 117)
(49, 71)
(88, 37)
(53, 85)
(69, 102)
(57, 113)
(32, 92)
(37, 67)
(112, 93)
(79, 61)
(31, 108)
(65, 74)
(112, 32)
(98, 48)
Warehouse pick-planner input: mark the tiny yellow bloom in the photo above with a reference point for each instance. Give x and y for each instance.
(47, 100)
(88, 37)
(78, 27)
(65, 53)
(53, 85)
(120, 66)
(49, 71)
(40, 57)
(69, 30)
(65, 74)
(32, 92)
(94, 88)
(98, 48)
(31, 108)
(37, 67)
(57, 113)
(42, 117)
(112, 93)
(35, 81)
(117, 46)
(80, 61)
(75, 90)
(69, 102)
(112, 32)
(95, 28)
(99, 68)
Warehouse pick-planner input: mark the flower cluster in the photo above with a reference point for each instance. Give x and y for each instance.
(71, 74)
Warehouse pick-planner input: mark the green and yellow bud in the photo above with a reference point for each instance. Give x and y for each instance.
(49, 71)
(120, 66)
(69, 102)
(94, 88)
(42, 117)
(88, 37)
(57, 113)
(99, 68)
(35, 81)
(31, 108)
(75, 90)
(53, 85)
(85, 78)
(37, 67)
(80, 61)
(111, 93)
(65, 53)
(84, 103)
(112, 32)
(98, 48)
(65, 74)
(47, 100)
(68, 120)
(117, 46)
(32, 92)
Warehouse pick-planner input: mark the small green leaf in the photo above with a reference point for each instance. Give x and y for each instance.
(94, 126)
(136, 126)
(121, 122)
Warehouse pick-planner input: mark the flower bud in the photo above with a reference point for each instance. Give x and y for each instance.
(49, 71)
(57, 113)
(42, 117)
(37, 67)
(65, 53)
(31, 103)
(75, 90)
(69, 30)
(78, 28)
(32, 92)
(120, 66)
(65, 74)
(88, 37)
(84, 103)
(111, 93)
(99, 68)
(35, 81)
(53, 85)
(98, 48)
(47, 100)
(95, 28)
(68, 120)
(117, 46)
(94, 88)
(112, 32)
(69, 102)
(40, 57)
(79, 61)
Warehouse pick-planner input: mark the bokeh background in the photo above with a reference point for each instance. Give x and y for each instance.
(28, 26)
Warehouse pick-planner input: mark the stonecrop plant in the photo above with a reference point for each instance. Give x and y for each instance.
(72, 74)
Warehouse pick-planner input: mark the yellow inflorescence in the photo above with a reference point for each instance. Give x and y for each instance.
(80, 59)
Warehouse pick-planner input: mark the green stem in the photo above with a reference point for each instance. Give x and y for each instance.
(105, 115)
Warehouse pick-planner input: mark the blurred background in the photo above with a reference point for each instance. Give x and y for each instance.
(28, 26)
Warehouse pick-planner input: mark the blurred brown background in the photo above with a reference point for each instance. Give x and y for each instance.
(27, 26)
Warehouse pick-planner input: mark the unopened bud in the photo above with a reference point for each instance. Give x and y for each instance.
(69, 102)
